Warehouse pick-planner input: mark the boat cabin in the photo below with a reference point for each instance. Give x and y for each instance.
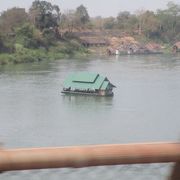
(87, 83)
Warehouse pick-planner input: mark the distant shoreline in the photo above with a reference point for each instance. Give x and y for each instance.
(39, 55)
(44, 32)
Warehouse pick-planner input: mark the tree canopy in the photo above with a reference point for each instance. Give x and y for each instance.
(44, 25)
(12, 18)
(82, 16)
(44, 15)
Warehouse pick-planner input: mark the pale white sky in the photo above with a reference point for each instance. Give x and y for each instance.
(104, 8)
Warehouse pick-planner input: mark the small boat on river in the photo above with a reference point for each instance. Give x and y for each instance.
(87, 83)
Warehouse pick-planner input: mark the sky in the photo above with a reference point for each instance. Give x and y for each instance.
(104, 8)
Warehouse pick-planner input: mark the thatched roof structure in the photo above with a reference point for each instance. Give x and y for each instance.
(176, 47)
(177, 44)
(128, 45)
(123, 41)
(92, 41)
(153, 46)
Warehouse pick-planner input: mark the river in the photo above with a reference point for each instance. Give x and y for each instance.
(144, 108)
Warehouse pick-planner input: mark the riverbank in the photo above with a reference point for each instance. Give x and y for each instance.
(54, 53)
(61, 50)
(74, 48)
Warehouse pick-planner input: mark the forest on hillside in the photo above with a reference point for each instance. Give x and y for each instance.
(45, 31)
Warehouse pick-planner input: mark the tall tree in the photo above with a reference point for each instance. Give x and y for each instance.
(68, 20)
(97, 22)
(28, 36)
(82, 16)
(44, 15)
(141, 20)
(109, 23)
(126, 21)
(123, 18)
(174, 11)
(1, 44)
(169, 22)
(11, 19)
(149, 24)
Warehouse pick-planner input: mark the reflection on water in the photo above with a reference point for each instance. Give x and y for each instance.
(83, 101)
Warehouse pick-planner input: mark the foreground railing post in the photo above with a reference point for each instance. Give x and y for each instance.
(175, 172)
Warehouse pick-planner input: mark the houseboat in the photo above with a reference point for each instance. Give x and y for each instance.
(87, 83)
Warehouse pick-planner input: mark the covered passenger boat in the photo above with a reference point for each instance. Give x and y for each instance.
(87, 83)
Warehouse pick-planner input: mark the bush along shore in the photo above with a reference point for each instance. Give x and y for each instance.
(59, 51)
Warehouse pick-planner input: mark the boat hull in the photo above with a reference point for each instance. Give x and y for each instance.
(85, 93)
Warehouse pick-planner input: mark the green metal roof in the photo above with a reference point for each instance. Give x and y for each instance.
(104, 85)
(85, 80)
(84, 77)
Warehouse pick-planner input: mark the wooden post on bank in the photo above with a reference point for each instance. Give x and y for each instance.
(84, 156)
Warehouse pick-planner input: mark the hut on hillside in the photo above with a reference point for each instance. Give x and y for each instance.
(123, 45)
(91, 41)
(128, 45)
(176, 47)
(154, 48)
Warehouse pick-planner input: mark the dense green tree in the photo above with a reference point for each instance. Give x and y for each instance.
(109, 23)
(141, 20)
(11, 19)
(28, 36)
(68, 20)
(49, 38)
(82, 16)
(44, 15)
(122, 19)
(1, 44)
(127, 22)
(169, 22)
(148, 24)
(97, 22)
(174, 12)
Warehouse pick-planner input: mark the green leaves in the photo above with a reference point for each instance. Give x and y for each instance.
(44, 15)
(82, 15)
(26, 36)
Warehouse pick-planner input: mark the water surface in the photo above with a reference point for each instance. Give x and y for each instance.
(145, 106)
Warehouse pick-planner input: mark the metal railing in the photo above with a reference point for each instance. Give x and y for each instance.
(85, 156)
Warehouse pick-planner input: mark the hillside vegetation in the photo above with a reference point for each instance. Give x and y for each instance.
(43, 32)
